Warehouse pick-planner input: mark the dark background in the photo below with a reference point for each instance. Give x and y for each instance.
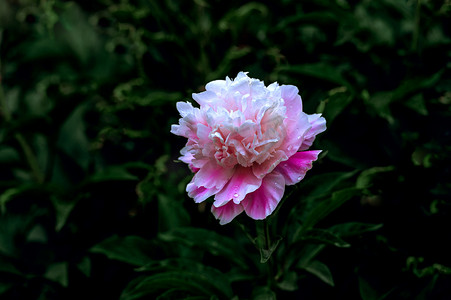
(93, 203)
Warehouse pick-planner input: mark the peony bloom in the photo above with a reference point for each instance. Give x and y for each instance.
(245, 143)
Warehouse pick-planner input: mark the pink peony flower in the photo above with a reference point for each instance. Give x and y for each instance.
(245, 143)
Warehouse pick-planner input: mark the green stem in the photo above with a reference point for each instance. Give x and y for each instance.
(266, 233)
(267, 246)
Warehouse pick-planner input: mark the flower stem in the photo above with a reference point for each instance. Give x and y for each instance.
(266, 234)
(266, 249)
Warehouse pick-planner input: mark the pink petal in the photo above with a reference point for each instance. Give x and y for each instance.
(199, 194)
(212, 175)
(261, 203)
(216, 86)
(227, 212)
(318, 124)
(185, 108)
(242, 183)
(260, 170)
(296, 132)
(205, 98)
(294, 169)
(293, 102)
(187, 158)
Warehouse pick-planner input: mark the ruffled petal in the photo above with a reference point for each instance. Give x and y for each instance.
(226, 213)
(260, 170)
(242, 183)
(318, 125)
(212, 175)
(199, 194)
(293, 102)
(185, 108)
(294, 169)
(207, 98)
(261, 203)
(216, 86)
(295, 135)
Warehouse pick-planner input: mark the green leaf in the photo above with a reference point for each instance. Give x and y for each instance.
(7, 266)
(412, 86)
(236, 16)
(58, 272)
(321, 71)
(72, 137)
(265, 254)
(366, 177)
(325, 237)
(113, 173)
(318, 17)
(379, 103)
(84, 265)
(177, 293)
(338, 100)
(321, 185)
(301, 254)
(367, 292)
(263, 293)
(206, 240)
(5, 286)
(417, 104)
(136, 93)
(171, 213)
(289, 282)
(198, 281)
(354, 228)
(10, 193)
(129, 249)
(321, 271)
(326, 207)
(63, 210)
(8, 155)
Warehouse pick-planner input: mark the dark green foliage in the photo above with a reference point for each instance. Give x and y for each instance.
(92, 199)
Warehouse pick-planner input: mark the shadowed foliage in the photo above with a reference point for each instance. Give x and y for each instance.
(92, 197)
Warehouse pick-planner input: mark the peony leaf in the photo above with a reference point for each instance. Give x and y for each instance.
(324, 236)
(417, 104)
(367, 292)
(58, 272)
(289, 282)
(265, 254)
(333, 106)
(113, 173)
(354, 228)
(62, 211)
(321, 185)
(171, 213)
(325, 208)
(7, 266)
(322, 71)
(263, 293)
(206, 240)
(130, 249)
(72, 139)
(199, 280)
(366, 177)
(321, 271)
(84, 265)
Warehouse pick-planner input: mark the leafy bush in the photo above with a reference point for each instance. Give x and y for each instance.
(93, 201)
